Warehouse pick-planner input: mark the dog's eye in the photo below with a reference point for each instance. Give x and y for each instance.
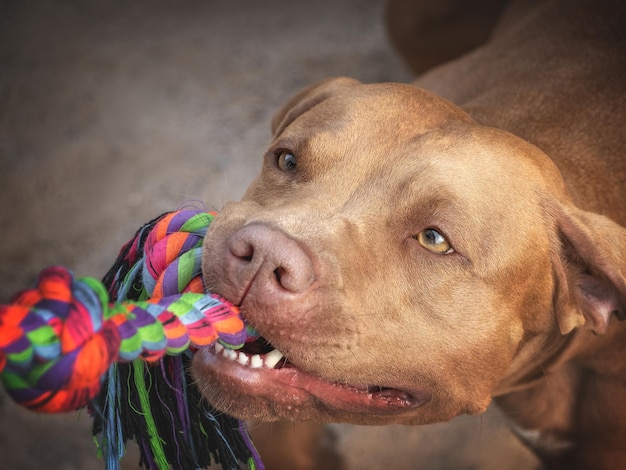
(434, 241)
(286, 161)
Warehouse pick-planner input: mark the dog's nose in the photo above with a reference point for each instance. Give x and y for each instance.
(268, 263)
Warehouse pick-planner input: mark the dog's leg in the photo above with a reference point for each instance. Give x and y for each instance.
(430, 33)
(296, 446)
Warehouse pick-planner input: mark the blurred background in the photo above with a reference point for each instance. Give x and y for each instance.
(114, 112)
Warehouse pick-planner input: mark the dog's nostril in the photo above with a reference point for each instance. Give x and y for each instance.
(279, 273)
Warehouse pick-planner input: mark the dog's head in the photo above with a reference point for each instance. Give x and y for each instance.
(400, 261)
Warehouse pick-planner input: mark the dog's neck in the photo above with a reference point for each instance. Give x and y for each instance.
(546, 396)
(537, 355)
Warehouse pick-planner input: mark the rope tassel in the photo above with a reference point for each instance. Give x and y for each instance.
(65, 345)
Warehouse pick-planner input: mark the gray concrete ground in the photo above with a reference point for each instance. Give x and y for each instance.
(113, 112)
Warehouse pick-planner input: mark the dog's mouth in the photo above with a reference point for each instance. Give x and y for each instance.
(258, 378)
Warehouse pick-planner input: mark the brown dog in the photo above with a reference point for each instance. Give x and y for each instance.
(407, 259)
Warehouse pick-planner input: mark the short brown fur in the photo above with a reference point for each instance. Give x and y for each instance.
(516, 155)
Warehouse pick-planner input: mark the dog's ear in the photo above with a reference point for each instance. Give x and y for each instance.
(590, 270)
(307, 99)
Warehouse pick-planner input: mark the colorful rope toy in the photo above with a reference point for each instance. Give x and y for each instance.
(65, 345)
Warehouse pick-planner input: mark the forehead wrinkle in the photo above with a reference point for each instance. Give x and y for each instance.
(379, 109)
(479, 166)
(356, 166)
(470, 190)
(487, 204)
(364, 154)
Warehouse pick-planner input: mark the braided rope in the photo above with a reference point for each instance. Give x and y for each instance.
(58, 340)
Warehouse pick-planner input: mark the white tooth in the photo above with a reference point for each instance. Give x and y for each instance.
(242, 358)
(232, 354)
(218, 348)
(272, 358)
(256, 362)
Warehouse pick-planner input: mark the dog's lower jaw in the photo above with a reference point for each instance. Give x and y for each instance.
(291, 394)
(263, 392)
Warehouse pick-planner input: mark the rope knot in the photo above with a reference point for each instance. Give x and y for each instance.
(55, 344)
(58, 340)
